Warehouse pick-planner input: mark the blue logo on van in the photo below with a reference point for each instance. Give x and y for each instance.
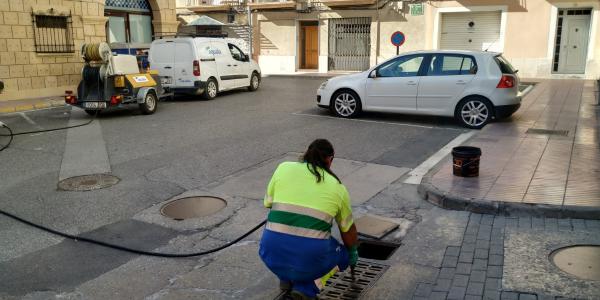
(214, 51)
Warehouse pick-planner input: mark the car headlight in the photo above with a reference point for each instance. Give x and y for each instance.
(323, 85)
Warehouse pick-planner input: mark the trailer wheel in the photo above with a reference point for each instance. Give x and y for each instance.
(149, 105)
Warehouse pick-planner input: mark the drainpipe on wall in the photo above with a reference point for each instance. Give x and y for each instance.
(378, 34)
(250, 33)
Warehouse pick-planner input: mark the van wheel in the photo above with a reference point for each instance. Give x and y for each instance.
(149, 105)
(210, 92)
(254, 82)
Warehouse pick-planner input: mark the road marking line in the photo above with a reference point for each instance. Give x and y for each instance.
(416, 175)
(376, 122)
(85, 150)
(29, 120)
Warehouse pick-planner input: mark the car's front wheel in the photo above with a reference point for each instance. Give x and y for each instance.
(254, 82)
(474, 112)
(345, 104)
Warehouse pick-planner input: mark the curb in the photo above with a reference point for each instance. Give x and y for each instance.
(33, 106)
(450, 201)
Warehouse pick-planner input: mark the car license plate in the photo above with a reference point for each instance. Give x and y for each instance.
(166, 80)
(94, 104)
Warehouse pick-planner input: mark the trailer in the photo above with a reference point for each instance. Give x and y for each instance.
(112, 81)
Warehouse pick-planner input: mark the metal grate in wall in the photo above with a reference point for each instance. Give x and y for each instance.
(139, 5)
(53, 34)
(349, 44)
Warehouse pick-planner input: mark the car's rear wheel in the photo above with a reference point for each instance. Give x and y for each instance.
(345, 104)
(210, 92)
(474, 112)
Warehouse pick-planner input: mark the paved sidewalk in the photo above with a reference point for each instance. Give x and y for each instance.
(544, 161)
(30, 104)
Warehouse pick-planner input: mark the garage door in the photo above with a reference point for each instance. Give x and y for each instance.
(470, 31)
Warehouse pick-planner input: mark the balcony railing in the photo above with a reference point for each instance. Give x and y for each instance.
(301, 5)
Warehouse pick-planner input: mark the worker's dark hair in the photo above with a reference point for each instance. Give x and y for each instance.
(316, 154)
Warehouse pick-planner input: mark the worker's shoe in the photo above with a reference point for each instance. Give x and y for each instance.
(296, 295)
(285, 286)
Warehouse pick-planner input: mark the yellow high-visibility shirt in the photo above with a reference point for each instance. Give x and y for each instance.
(299, 202)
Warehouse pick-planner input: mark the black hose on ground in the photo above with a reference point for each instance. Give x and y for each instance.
(101, 243)
(11, 134)
(127, 249)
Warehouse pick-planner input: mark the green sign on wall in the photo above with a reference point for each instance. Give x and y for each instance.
(416, 9)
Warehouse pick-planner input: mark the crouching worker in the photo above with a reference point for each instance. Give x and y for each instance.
(305, 197)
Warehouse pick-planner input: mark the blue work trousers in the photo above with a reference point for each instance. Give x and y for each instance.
(301, 260)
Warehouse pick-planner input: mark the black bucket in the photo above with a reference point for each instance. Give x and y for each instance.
(465, 161)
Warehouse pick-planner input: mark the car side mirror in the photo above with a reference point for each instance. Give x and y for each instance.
(246, 58)
(373, 74)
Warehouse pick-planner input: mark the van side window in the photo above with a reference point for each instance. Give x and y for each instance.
(236, 53)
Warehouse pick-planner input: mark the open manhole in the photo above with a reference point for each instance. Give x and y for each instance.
(88, 182)
(582, 261)
(343, 286)
(192, 207)
(376, 249)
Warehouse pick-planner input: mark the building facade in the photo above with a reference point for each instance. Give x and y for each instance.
(542, 38)
(40, 40)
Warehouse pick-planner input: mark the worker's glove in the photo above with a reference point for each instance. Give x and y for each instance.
(353, 255)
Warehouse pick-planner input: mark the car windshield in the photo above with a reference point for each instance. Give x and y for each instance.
(504, 65)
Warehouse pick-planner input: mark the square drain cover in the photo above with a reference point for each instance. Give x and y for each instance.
(342, 286)
(374, 227)
(547, 131)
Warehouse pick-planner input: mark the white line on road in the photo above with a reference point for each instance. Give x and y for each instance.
(376, 122)
(416, 175)
(30, 121)
(85, 150)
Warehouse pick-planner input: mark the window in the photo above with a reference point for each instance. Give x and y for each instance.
(53, 34)
(236, 52)
(124, 27)
(405, 66)
(505, 66)
(116, 29)
(451, 64)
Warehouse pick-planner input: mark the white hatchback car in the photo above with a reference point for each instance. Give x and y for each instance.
(474, 87)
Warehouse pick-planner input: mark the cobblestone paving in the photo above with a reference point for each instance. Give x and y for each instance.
(473, 269)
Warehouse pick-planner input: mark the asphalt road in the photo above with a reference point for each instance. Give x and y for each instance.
(186, 145)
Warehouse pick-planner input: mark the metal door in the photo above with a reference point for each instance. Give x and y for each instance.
(574, 44)
(349, 44)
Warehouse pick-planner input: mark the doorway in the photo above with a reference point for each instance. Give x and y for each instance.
(571, 43)
(309, 45)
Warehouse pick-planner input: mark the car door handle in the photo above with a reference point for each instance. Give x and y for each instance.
(461, 82)
(412, 83)
(235, 65)
(229, 65)
(167, 67)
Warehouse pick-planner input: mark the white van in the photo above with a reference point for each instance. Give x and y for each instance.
(202, 66)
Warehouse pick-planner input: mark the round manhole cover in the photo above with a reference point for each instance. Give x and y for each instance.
(88, 182)
(192, 207)
(582, 261)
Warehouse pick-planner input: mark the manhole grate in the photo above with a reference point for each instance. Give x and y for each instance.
(193, 207)
(88, 182)
(547, 131)
(343, 286)
(582, 261)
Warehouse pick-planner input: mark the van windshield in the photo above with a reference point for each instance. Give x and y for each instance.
(504, 65)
